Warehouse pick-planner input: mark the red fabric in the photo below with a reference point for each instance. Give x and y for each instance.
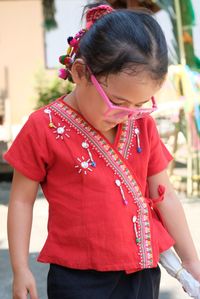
(154, 157)
(88, 227)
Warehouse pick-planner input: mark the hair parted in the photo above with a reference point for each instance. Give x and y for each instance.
(122, 40)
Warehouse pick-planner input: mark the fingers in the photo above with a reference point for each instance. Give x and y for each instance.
(33, 295)
(20, 295)
(23, 294)
(24, 284)
(33, 292)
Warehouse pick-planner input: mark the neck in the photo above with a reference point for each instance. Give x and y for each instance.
(71, 99)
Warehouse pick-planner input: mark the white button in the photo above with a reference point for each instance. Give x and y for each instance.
(47, 111)
(84, 164)
(118, 183)
(60, 130)
(85, 145)
(134, 219)
(137, 131)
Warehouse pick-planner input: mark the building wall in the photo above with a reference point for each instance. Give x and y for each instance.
(22, 53)
(25, 48)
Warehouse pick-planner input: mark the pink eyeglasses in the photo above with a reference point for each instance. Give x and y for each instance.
(115, 112)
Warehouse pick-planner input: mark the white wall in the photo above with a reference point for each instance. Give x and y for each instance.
(68, 17)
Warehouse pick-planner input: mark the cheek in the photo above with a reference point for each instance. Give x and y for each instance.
(94, 106)
(91, 111)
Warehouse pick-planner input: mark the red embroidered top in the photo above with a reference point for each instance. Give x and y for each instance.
(99, 217)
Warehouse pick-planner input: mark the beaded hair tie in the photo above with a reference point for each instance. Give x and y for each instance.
(67, 60)
(96, 13)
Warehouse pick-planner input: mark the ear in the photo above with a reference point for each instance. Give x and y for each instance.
(79, 71)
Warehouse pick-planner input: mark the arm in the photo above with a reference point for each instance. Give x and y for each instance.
(22, 197)
(175, 221)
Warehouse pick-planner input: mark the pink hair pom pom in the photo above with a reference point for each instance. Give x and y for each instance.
(73, 42)
(63, 74)
(96, 13)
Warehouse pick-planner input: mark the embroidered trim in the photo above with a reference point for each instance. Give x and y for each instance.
(114, 161)
(126, 139)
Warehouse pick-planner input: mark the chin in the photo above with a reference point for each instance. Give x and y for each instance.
(109, 128)
(105, 126)
(113, 126)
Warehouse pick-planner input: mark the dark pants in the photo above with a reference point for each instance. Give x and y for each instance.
(66, 283)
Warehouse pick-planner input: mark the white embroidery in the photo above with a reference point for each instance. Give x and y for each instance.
(84, 165)
(118, 183)
(85, 145)
(60, 131)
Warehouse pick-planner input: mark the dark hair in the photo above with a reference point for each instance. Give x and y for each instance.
(125, 40)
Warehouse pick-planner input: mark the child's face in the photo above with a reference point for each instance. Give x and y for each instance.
(117, 112)
(123, 90)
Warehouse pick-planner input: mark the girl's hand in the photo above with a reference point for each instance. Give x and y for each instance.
(24, 284)
(193, 267)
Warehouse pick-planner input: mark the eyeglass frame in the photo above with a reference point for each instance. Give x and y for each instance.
(141, 112)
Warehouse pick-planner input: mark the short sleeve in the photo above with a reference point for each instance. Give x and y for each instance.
(28, 153)
(159, 155)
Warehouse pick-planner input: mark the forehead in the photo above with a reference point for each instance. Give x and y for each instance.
(129, 86)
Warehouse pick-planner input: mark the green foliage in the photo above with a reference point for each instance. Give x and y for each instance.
(49, 11)
(49, 90)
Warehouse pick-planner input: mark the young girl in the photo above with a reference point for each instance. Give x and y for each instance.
(98, 157)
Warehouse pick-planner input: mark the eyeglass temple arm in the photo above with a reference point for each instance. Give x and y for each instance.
(154, 102)
(101, 91)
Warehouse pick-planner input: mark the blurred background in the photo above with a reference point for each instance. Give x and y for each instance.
(33, 34)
